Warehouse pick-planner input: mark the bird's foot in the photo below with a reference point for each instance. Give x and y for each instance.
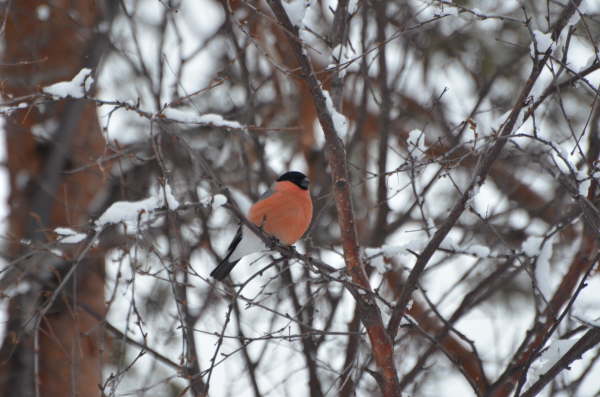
(273, 242)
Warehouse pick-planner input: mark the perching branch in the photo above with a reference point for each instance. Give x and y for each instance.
(369, 312)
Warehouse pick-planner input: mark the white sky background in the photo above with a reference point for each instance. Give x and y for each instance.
(197, 21)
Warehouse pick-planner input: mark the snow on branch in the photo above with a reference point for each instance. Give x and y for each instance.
(78, 87)
(340, 122)
(135, 214)
(540, 44)
(69, 236)
(190, 117)
(296, 9)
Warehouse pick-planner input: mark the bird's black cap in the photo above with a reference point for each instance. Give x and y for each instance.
(297, 178)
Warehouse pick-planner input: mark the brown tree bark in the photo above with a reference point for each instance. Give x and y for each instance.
(51, 348)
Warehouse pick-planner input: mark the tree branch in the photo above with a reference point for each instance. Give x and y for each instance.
(369, 312)
(478, 179)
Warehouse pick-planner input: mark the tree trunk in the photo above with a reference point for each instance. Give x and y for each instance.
(59, 353)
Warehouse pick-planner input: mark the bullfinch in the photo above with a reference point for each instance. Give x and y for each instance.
(284, 211)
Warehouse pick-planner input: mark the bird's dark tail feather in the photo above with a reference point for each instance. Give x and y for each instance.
(224, 268)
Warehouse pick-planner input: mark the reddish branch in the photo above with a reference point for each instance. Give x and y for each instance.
(368, 125)
(481, 173)
(454, 348)
(550, 318)
(585, 343)
(368, 310)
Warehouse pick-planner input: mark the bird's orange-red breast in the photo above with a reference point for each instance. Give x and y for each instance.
(285, 212)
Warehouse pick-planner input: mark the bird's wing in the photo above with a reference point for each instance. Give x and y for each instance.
(244, 243)
(234, 243)
(248, 244)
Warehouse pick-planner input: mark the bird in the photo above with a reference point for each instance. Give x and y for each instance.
(284, 211)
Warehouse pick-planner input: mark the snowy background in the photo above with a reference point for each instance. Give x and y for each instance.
(177, 69)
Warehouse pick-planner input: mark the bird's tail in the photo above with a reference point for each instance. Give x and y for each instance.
(224, 268)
